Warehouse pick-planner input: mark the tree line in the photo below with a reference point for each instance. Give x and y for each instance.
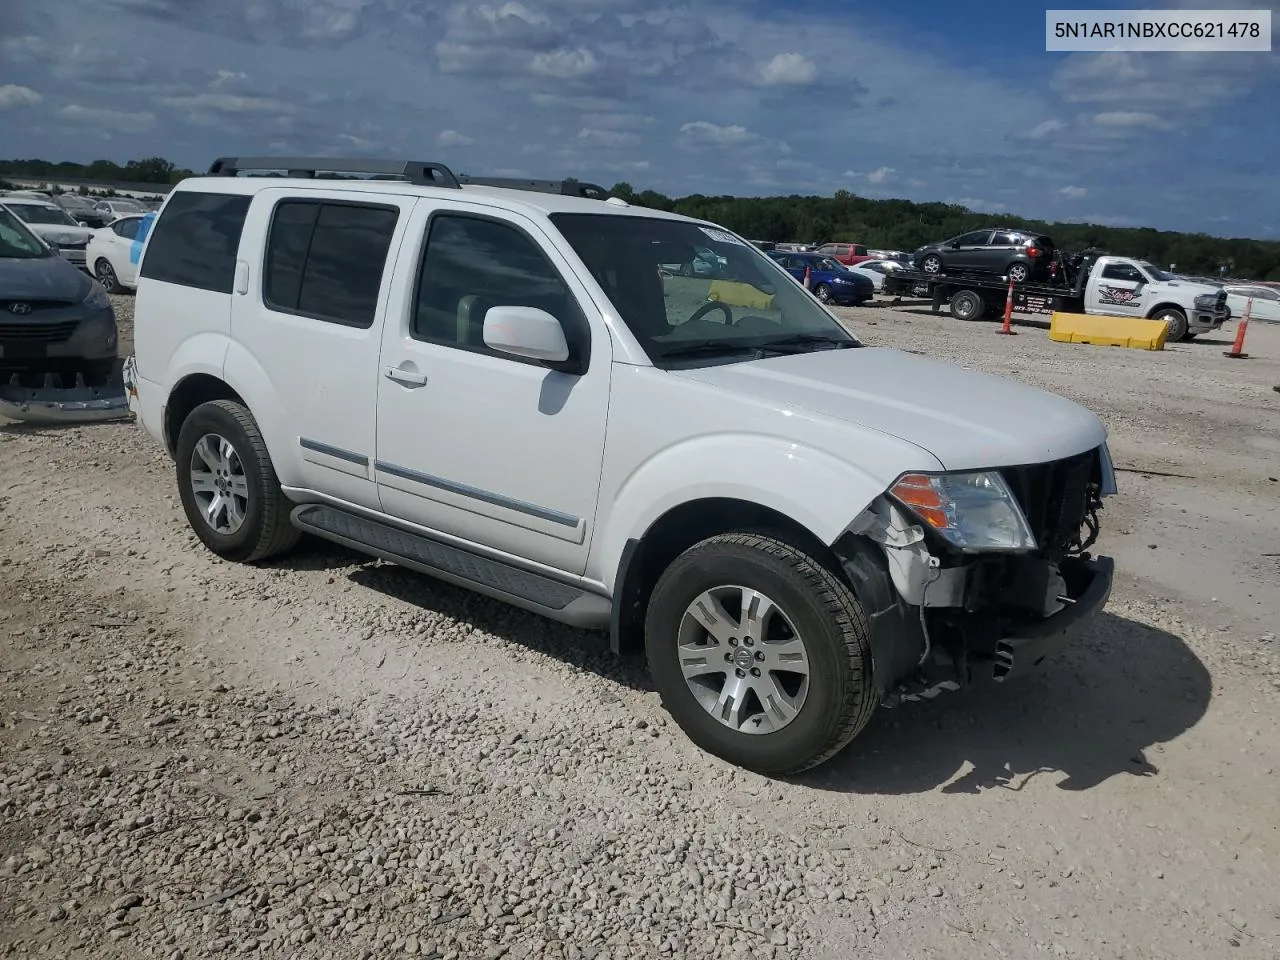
(880, 224)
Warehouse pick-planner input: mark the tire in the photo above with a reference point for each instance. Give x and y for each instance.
(106, 275)
(1176, 320)
(264, 529)
(829, 706)
(931, 264)
(967, 305)
(823, 293)
(1018, 272)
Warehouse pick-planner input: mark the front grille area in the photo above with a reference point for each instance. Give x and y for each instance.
(1055, 498)
(35, 306)
(11, 332)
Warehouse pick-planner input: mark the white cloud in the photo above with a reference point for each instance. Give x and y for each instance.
(1127, 118)
(452, 138)
(12, 95)
(881, 175)
(566, 64)
(1074, 193)
(227, 103)
(788, 68)
(118, 119)
(705, 132)
(1042, 130)
(224, 77)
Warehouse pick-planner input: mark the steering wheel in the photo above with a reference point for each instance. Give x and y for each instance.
(710, 305)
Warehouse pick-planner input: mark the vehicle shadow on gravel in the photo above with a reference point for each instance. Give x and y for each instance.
(582, 649)
(1091, 714)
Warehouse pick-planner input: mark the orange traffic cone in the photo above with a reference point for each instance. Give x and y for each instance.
(1007, 327)
(1237, 349)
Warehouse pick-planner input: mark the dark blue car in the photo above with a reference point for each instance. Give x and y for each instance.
(830, 281)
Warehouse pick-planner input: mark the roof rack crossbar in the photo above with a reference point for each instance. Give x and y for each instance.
(417, 172)
(567, 188)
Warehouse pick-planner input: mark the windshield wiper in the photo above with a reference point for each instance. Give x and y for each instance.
(807, 340)
(709, 348)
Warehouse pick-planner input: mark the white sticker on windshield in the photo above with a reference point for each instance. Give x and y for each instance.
(721, 236)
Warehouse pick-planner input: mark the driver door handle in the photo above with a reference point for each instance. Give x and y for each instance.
(409, 378)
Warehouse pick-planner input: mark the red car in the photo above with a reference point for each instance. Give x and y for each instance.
(846, 253)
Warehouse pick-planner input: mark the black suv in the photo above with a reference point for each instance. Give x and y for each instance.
(1015, 254)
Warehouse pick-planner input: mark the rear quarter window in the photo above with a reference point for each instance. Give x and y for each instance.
(195, 240)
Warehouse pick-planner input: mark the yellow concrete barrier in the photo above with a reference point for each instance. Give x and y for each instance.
(1136, 332)
(737, 294)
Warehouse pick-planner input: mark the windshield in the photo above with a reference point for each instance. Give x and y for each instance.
(1155, 271)
(39, 213)
(16, 241)
(826, 263)
(748, 308)
(125, 206)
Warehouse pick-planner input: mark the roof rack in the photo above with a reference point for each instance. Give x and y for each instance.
(568, 187)
(418, 172)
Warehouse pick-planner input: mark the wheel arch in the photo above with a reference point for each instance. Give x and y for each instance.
(1168, 305)
(645, 557)
(189, 392)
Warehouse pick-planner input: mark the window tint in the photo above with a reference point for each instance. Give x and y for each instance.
(472, 264)
(859, 251)
(196, 240)
(977, 238)
(326, 259)
(1122, 271)
(1005, 240)
(127, 228)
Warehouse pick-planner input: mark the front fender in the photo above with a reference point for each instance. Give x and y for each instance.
(818, 491)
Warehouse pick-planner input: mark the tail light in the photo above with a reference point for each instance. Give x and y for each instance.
(1033, 250)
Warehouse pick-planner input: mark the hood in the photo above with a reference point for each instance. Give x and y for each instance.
(967, 420)
(60, 233)
(42, 278)
(1198, 289)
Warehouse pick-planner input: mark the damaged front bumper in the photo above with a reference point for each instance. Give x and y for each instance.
(52, 403)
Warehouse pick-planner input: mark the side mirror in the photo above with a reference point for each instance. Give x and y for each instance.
(955, 244)
(83, 223)
(525, 332)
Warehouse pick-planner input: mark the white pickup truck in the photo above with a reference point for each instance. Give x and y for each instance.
(1106, 285)
(504, 385)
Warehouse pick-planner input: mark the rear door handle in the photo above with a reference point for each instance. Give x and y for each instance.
(406, 377)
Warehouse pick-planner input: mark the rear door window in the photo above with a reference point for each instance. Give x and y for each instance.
(325, 259)
(196, 239)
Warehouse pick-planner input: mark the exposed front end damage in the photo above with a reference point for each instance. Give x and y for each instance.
(943, 618)
(55, 400)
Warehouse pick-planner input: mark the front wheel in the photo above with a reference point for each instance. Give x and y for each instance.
(228, 485)
(931, 264)
(1175, 320)
(759, 653)
(967, 305)
(823, 293)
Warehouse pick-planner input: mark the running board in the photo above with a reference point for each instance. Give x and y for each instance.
(531, 591)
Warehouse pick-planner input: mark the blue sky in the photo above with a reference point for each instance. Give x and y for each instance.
(947, 101)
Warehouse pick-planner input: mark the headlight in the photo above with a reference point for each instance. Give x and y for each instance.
(973, 511)
(1207, 300)
(97, 298)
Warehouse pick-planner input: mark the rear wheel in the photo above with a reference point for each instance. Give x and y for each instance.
(967, 305)
(759, 653)
(106, 275)
(1018, 272)
(1175, 320)
(228, 485)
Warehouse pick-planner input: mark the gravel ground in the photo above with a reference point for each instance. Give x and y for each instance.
(332, 757)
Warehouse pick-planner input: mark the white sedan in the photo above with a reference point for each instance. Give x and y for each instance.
(876, 270)
(1266, 302)
(114, 251)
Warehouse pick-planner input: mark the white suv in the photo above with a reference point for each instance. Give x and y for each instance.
(503, 384)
